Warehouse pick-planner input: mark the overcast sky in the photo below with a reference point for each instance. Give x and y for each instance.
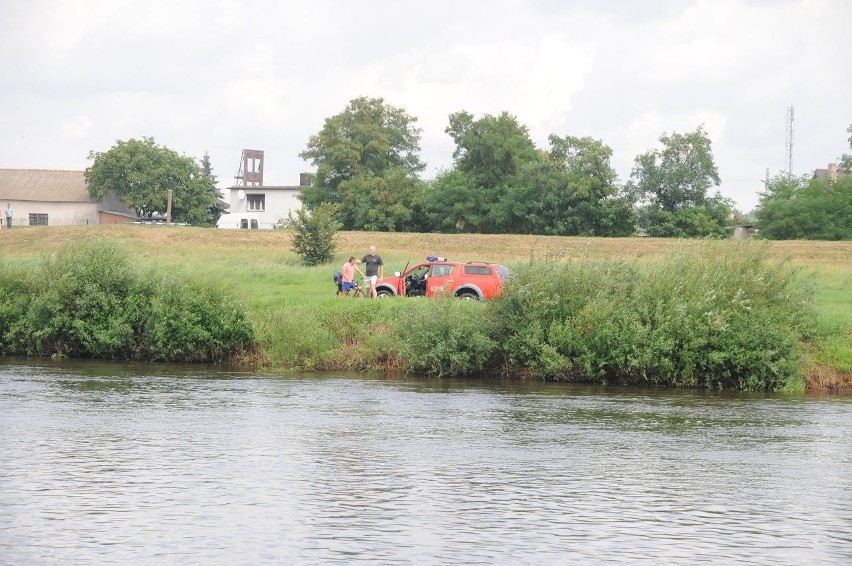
(222, 75)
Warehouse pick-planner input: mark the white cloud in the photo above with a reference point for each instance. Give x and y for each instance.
(76, 127)
(224, 75)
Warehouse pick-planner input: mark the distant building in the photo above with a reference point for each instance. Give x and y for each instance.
(250, 195)
(830, 174)
(270, 203)
(49, 197)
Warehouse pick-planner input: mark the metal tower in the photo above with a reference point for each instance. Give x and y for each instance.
(789, 144)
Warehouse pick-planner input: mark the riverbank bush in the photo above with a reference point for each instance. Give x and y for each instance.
(717, 316)
(337, 333)
(88, 300)
(445, 337)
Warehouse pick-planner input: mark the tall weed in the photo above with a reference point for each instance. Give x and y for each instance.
(445, 337)
(88, 300)
(716, 316)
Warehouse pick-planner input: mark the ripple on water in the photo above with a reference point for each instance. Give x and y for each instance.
(198, 467)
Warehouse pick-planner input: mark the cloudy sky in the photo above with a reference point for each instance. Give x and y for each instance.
(223, 75)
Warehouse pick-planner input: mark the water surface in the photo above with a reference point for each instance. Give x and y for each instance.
(133, 463)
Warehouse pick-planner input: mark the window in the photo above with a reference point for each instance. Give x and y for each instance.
(439, 270)
(38, 219)
(477, 270)
(256, 203)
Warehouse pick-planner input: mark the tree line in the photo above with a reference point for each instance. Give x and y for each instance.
(367, 165)
(806, 208)
(368, 171)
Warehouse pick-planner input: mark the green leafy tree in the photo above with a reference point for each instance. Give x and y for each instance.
(367, 162)
(574, 191)
(501, 182)
(804, 208)
(451, 206)
(535, 204)
(491, 150)
(674, 182)
(588, 162)
(313, 233)
(710, 220)
(384, 203)
(489, 157)
(219, 206)
(141, 173)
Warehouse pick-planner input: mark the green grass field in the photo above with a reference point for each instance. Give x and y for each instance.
(259, 268)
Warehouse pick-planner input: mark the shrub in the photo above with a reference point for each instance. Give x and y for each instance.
(708, 315)
(445, 337)
(194, 323)
(313, 233)
(89, 301)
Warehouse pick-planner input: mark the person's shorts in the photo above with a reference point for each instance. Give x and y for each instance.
(370, 281)
(347, 285)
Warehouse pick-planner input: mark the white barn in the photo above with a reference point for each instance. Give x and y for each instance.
(48, 197)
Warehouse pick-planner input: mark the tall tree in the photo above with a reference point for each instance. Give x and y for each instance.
(492, 149)
(536, 202)
(572, 191)
(588, 162)
(384, 203)
(804, 208)
(674, 182)
(141, 173)
(219, 206)
(367, 160)
(450, 205)
(490, 154)
(595, 204)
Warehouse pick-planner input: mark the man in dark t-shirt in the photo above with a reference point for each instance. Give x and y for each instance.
(375, 270)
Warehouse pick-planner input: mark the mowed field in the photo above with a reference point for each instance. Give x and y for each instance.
(170, 244)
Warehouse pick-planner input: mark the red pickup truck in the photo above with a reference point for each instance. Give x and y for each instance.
(472, 280)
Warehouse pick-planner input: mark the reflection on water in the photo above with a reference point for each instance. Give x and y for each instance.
(137, 463)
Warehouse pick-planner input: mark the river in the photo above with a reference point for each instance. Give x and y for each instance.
(115, 463)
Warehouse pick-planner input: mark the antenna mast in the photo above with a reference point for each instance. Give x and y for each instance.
(789, 140)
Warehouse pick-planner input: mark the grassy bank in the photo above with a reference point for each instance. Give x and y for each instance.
(300, 323)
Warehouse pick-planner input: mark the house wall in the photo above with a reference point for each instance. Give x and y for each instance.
(58, 213)
(279, 201)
